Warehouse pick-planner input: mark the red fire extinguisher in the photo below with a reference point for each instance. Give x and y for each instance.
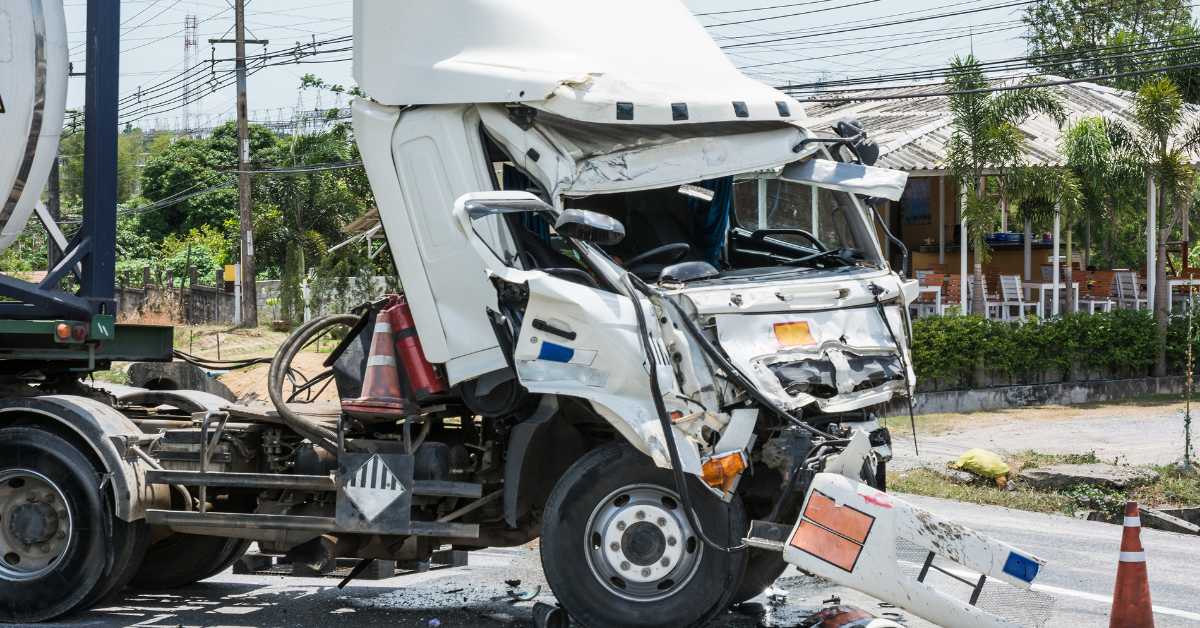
(425, 379)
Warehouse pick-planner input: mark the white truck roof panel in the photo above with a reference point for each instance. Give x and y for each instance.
(623, 61)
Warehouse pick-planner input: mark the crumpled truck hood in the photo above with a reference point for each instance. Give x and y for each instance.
(638, 63)
(844, 358)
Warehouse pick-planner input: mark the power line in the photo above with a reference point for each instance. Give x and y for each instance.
(1006, 88)
(1021, 63)
(848, 28)
(904, 45)
(778, 6)
(786, 15)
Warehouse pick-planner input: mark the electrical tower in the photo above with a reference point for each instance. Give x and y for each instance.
(190, 51)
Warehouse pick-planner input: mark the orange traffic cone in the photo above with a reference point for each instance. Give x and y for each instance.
(381, 394)
(1131, 596)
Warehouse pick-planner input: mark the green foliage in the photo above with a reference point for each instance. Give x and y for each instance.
(1062, 37)
(955, 351)
(205, 248)
(1088, 497)
(291, 292)
(986, 138)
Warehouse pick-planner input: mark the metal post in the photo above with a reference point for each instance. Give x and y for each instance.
(1054, 261)
(816, 212)
(237, 295)
(942, 220)
(1028, 248)
(99, 226)
(249, 300)
(762, 203)
(1151, 240)
(54, 209)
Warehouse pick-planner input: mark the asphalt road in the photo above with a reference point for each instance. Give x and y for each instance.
(1082, 559)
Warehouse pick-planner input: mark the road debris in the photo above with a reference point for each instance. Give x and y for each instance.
(983, 463)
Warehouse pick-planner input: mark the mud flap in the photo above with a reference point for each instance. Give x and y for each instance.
(859, 537)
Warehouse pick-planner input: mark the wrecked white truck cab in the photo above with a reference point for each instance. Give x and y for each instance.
(590, 207)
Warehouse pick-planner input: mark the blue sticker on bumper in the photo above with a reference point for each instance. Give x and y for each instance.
(555, 353)
(1020, 567)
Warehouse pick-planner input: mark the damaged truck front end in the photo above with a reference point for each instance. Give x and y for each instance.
(653, 259)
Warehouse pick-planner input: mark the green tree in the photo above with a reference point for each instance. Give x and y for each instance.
(1063, 36)
(985, 142)
(1163, 144)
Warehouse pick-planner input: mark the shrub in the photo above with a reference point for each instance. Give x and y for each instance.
(950, 352)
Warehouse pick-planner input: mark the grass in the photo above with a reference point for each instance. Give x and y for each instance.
(934, 484)
(1174, 488)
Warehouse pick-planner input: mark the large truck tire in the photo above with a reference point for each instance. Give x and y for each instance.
(618, 550)
(183, 559)
(61, 546)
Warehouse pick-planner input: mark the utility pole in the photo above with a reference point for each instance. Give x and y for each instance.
(249, 294)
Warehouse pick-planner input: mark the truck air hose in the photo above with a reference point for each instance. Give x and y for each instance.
(319, 435)
(664, 420)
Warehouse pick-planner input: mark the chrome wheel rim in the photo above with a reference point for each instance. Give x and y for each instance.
(35, 525)
(640, 544)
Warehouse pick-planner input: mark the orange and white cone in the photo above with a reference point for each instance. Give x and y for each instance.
(381, 394)
(1131, 606)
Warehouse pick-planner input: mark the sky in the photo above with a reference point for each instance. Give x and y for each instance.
(153, 45)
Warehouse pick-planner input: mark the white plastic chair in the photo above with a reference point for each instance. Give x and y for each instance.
(1128, 291)
(1012, 295)
(990, 304)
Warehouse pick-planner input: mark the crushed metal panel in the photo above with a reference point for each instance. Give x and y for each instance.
(852, 178)
(851, 533)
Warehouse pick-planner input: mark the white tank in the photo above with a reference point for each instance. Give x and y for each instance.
(33, 90)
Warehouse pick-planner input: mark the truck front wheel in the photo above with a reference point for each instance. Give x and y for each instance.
(61, 547)
(618, 549)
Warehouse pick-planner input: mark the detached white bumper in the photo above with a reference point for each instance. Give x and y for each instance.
(850, 533)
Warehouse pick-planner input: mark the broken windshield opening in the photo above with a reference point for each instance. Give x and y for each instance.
(778, 222)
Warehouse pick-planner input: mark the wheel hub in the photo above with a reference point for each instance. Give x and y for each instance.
(643, 543)
(641, 546)
(35, 525)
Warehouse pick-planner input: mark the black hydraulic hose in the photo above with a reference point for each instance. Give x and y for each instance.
(668, 430)
(912, 419)
(319, 435)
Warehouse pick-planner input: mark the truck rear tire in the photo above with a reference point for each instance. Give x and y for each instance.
(61, 547)
(183, 559)
(618, 550)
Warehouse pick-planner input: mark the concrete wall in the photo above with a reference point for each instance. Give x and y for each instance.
(1069, 393)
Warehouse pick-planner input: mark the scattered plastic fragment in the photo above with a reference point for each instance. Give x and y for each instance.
(983, 463)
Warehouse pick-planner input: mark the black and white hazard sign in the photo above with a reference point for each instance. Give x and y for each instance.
(373, 487)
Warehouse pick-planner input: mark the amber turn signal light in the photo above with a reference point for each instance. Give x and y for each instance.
(795, 334)
(721, 471)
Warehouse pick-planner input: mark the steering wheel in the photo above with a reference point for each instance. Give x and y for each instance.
(762, 233)
(670, 253)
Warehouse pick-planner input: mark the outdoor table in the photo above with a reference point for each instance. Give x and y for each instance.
(1044, 289)
(1179, 282)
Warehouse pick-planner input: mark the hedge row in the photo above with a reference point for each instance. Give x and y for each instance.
(954, 352)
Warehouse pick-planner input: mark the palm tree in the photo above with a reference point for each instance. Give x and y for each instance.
(1039, 192)
(986, 141)
(1163, 144)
